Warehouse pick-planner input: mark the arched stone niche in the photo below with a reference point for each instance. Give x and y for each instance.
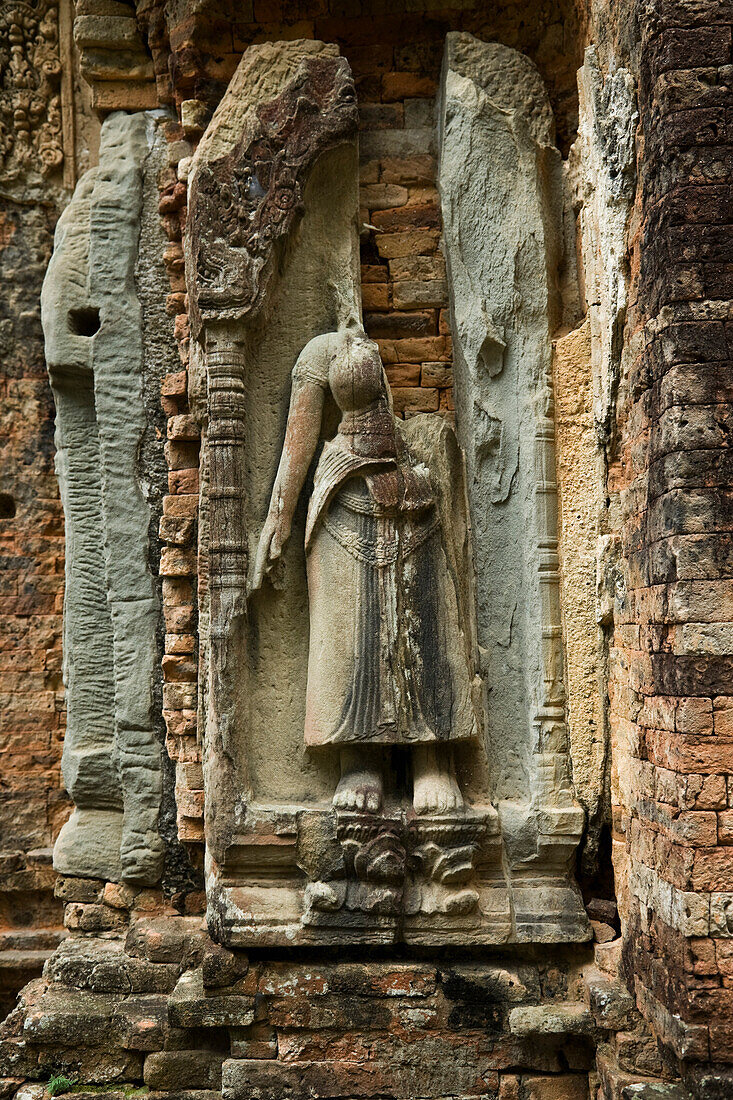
(272, 262)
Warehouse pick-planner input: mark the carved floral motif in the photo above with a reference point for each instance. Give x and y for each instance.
(30, 104)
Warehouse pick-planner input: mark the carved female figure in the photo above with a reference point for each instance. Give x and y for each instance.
(387, 659)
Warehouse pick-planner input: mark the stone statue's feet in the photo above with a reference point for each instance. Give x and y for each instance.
(360, 791)
(436, 793)
(435, 788)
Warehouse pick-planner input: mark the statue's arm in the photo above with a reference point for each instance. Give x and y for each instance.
(301, 440)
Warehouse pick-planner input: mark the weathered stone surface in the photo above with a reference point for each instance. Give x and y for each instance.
(190, 1006)
(94, 347)
(496, 158)
(611, 1004)
(176, 1070)
(141, 1022)
(102, 966)
(605, 152)
(65, 1017)
(419, 1073)
(221, 967)
(169, 939)
(580, 490)
(551, 1019)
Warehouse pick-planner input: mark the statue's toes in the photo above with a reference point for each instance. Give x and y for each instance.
(345, 799)
(424, 800)
(372, 802)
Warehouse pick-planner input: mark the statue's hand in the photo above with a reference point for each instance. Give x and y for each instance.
(274, 535)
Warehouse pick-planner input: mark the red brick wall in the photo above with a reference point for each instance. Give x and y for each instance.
(32, 805)
(672, 669)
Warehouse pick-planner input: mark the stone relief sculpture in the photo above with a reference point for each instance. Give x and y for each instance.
(347, 783)
(387, 663)
(31, 139)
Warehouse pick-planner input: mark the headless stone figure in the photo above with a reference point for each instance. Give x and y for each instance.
(387, 664)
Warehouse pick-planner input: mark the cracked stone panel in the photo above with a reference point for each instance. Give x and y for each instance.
(94, 332)
(500, 185)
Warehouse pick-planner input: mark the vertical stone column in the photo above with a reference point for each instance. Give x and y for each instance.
(672, 661)
(227, 573)
(554, 802)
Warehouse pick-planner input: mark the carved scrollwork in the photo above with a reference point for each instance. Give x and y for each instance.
(397, 867)
(30, 103)
(249, 200)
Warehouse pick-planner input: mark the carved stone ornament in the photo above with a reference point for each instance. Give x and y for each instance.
(249, 200)
(31, 143)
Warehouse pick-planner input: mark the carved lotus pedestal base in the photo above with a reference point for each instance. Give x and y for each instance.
(418, 879)
(303, 875)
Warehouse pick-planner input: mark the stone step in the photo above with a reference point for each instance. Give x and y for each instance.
(18, 960)
(69, 1017)
(31, 939)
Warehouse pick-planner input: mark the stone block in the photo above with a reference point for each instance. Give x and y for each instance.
(409, 242)
(112, 32)
(90, 1065)
(563, 1086)
(183, 1094)
(407, 85)
(418, 1074)
(687, 1040)
(400, 326)
(551, 1019)
(221, 968)
(611, 1004)
(259, 1041)
(382, 196)
(178, 1071)
(169, 939)
(93, 918)
(414, 399)
(375, 296)
(191, 1006)
(141, 1022)
(416, 294)
(116, 66)
(408, 170)
(195, 116)
(102, 966)
(397, 143)
(87, 890)
(66, 1017)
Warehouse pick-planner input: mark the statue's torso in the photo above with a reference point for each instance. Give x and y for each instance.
(366, 464)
